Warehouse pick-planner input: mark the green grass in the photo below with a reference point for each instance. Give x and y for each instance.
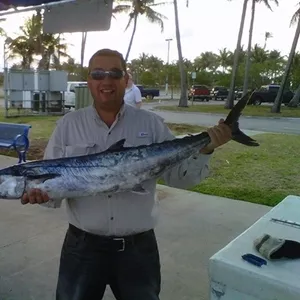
(250, 110)
(42, 126)
(263, 175)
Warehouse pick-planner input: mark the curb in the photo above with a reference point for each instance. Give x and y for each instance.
(220, 114)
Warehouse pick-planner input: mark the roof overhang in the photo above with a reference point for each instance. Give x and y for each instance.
(62, 16)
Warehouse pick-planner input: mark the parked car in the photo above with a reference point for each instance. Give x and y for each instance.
(219, 92)
(199, 92)
(268, 93)
(238, 93)
(148, 93)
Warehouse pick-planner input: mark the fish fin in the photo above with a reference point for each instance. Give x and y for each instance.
(118, 145)
(42, 177)
(232, 121)
(138, 189)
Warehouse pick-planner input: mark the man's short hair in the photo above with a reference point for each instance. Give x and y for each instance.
(108, 52)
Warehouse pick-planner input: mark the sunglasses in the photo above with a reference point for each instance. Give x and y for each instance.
(101, 74)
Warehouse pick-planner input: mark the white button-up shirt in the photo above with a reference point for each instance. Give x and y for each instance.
(133, 95)
(83, 132)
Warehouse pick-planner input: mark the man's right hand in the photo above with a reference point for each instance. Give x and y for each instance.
(34, 196)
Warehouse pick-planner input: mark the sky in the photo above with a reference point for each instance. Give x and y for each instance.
(204, 26)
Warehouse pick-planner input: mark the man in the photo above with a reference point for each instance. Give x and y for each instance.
(111, 239)
(133, 94)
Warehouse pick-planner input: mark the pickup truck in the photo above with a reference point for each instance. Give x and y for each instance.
(199, 92)
(268, 93)
(219, 92)
(70, 93)
(148, 93)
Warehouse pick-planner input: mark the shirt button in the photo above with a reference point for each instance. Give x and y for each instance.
(109, 133)
(111, 218)
(109, 196)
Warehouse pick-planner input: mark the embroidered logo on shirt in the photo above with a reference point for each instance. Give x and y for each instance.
(143, 134)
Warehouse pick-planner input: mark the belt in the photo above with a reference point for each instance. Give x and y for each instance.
(115, 243)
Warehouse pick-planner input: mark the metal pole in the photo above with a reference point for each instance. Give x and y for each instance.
(5, 81)
(42, 6)
(168, 56)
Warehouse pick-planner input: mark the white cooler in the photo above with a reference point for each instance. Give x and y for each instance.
(232, 278)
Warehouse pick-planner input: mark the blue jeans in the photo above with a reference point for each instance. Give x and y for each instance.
(89, 263)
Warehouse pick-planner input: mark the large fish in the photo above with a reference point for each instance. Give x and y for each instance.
(114, 170)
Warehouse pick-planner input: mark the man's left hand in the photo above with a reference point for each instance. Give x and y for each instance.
(219, 134)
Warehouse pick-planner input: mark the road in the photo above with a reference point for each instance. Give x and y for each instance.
(270, 124)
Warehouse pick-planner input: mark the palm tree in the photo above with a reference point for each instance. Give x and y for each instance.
(230, 100)
(248, 60)
(32, 41)
(277, 103)
(183, 101)
(27, 43)
(268, 35)
(53, 48)
(224, 59)
(137, 8)
(20, 47)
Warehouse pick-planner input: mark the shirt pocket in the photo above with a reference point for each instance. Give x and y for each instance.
(80, 149)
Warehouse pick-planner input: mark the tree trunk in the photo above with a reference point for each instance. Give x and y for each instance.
(296, 99)
(230, 100)
(277, 103)
(132, 36)
(183, 102)
(249, 52)
(83, 43)
(58, 51)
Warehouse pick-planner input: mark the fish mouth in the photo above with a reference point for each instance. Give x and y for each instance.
(12, 187)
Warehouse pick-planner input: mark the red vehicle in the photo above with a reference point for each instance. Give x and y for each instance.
(199, 92)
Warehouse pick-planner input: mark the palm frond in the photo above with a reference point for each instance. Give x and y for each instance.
(295, 17)
(131, 18)
(266, 2)
(155, 17)
(121, 9)
(150, 12)
(160, 4)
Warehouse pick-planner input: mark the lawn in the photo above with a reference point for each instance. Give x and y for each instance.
(250, 110)
(42, 127)
(264, 174)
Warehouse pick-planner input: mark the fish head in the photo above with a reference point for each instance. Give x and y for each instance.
(12, 187)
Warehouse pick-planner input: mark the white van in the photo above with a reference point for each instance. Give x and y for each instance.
(70, 93)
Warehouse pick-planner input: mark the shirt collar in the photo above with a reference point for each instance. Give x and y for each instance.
(119, 115)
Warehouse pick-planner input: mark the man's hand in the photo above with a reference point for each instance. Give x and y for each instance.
(34, 196)
(219, 134)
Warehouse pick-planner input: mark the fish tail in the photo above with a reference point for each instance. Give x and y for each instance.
(232, 121)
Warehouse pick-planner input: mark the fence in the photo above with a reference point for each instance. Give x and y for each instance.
(30, 92)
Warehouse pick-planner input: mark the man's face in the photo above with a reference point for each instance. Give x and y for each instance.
(107, 91)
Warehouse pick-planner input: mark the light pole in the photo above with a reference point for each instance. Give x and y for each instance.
(5, 75)
(168, 57)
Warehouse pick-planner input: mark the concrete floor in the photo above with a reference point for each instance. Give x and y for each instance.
(192, 228)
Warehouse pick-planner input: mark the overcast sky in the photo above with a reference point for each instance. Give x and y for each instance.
(205, 26)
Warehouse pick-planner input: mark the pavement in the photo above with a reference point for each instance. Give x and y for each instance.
(192, 228)
(259, 124)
